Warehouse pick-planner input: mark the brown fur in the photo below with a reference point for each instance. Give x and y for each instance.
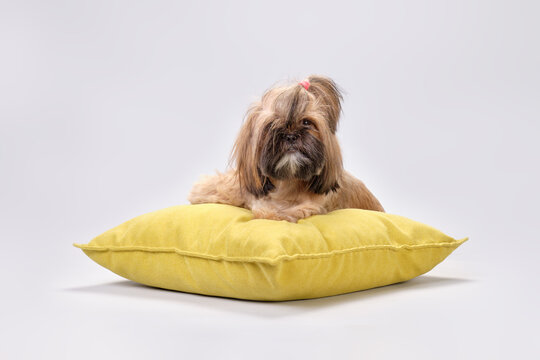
(286, 161)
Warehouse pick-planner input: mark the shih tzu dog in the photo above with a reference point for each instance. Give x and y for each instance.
(286, 161)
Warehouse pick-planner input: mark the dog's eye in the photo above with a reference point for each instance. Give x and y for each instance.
(306, 122)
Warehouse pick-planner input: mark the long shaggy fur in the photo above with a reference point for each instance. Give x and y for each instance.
(286, 162)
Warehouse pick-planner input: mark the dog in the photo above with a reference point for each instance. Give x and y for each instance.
(286, 163)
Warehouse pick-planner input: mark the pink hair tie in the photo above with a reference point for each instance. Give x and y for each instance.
(305, 84)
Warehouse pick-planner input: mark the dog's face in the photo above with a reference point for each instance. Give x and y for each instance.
(292, 147)
(290, 135)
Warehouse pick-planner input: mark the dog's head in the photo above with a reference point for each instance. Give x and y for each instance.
(290, 134)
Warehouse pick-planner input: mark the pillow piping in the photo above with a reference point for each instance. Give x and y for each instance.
(266, 260)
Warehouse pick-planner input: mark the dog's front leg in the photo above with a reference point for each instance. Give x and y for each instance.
(274, 210)
(267, 210)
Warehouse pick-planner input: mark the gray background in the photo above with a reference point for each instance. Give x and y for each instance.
(111, 109)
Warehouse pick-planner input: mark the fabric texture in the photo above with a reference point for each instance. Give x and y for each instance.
(221, 250)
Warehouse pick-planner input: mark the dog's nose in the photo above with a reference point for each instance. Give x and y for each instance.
(291, 137)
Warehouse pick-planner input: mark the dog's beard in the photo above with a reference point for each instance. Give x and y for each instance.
(301, 161)
(291, 163)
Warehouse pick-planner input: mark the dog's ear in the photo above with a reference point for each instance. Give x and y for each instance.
(318, 185)
(329, 177)
(328, 180)
(328, 96)
(245, 156)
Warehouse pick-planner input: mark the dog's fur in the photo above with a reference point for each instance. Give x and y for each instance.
(286, 161)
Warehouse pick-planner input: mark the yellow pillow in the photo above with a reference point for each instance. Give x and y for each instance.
(220, 250)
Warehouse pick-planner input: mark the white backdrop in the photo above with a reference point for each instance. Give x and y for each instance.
(111, 109)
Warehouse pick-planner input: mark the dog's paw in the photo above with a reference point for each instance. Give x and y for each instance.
(292, 214)
(303, 211)
(272, 214)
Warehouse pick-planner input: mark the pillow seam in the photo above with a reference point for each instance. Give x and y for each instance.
(271, 261)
